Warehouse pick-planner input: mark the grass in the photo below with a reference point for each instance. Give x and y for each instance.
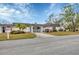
(63, 33)
(17, 36)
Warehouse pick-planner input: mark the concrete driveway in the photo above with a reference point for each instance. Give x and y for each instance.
(42, 45)
(43, 35)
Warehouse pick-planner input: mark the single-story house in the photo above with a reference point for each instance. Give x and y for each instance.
(32, 28)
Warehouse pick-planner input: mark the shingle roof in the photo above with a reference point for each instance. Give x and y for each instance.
(6, 24)
(47, 24)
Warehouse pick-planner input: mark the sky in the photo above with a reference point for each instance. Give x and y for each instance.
(29, 12)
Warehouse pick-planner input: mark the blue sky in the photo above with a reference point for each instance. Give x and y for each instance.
(29, 13)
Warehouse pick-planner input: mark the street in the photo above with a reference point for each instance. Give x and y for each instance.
(44, 44)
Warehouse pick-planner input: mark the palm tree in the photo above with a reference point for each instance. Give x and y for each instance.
(21, 26)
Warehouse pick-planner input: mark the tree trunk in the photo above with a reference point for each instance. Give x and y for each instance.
(74, 26)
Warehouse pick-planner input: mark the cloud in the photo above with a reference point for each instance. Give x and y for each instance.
(6, 11)
(53, 9)
(50, 9)
(15, 12)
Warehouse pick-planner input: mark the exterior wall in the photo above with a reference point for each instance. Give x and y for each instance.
(42, 29)
(37, 29)
(31, 29)
(15, 29)
(49, 28)
(27, 29)
(8, 29)
(0, 29)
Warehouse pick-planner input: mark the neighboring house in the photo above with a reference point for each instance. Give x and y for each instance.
(32, 28)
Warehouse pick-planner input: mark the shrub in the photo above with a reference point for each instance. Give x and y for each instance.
(76, 29)
(60, 29)
(54, 30)
(17, 32)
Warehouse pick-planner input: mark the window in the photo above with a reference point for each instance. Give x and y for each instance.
(38, 27)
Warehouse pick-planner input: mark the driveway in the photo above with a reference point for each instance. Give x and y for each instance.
(43, 35)
(42, 45)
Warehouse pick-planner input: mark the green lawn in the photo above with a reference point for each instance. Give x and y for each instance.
(63, 33)
(17, 36)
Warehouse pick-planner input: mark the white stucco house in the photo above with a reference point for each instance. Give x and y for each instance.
(32, 28)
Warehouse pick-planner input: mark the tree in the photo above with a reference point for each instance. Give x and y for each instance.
(21, 26)
(69, 17)
(77, 20)
(50, 18)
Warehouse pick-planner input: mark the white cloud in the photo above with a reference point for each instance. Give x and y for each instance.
(6, 11)
(12, 10)
(20, 13)
(53, 9)
(50, 9)
(3, 10)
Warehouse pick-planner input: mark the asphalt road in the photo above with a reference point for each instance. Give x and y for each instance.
(42, 45)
